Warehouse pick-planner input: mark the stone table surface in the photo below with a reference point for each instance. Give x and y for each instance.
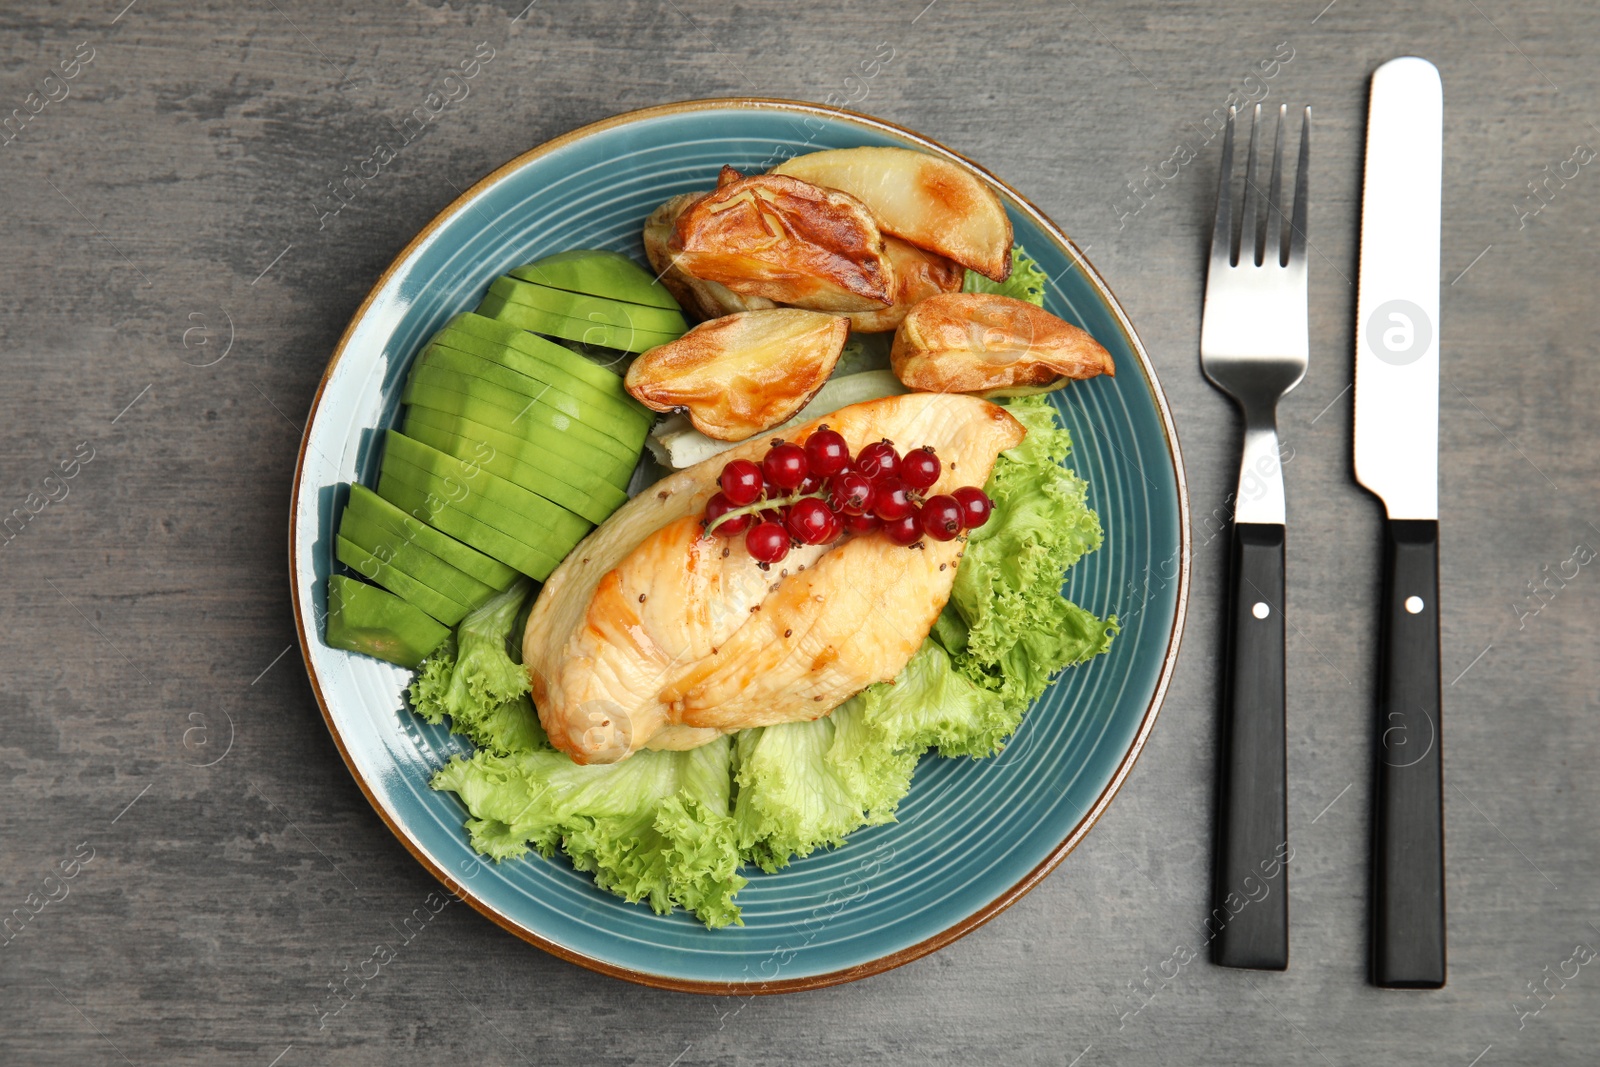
(178, 182)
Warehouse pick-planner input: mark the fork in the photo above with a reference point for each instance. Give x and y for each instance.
(1254, 346)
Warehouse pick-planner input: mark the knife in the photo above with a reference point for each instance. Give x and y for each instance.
(1397, 458)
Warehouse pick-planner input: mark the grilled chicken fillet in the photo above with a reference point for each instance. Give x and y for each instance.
(651, 634)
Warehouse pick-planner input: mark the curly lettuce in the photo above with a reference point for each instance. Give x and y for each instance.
(473, 679)
(1026, 281)
(1007, 626)
(654, 828)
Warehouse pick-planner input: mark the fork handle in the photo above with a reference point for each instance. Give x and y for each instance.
(1249, 921)
(1408, 925)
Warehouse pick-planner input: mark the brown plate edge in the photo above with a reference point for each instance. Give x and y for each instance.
(1050, 862)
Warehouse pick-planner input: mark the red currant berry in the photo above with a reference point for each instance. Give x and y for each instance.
(774, 515)
(906, 530)
(941, 517)
(719, 506)
(835, 528)
(862, 524)
(827, 452)
(813, 482)
(852, 492)
(809, 521)
(920, 468)
(767, 542)
(878, 460)
(975, 506)
(785, 465)
(890, 499)
(741, 482)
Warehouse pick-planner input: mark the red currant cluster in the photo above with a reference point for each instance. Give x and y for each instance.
(812, 495)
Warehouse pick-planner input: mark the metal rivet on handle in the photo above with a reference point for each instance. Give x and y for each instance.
(1413, 604)
(1260, 610)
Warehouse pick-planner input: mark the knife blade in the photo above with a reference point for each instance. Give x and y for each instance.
(1397, 458)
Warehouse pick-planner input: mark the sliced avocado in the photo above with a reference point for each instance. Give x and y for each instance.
(599, 375)
(537, 365)
(594, 472)
(587, 331)
(591, 308)
(530, 449)
(533, 476)
(414, 530)
(396, 551)
(425, 380)
(373, 569)
(364, 618)
(458, 405)
(609, 416)
(509, 550)
(519, 512)
(598, 273)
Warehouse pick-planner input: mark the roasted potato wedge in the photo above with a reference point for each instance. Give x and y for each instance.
(741, 374)
(786, 240)
(700, 298)
(918, 274)
(992, 346)
(929, 201)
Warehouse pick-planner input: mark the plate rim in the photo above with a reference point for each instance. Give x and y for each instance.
(1001, 902)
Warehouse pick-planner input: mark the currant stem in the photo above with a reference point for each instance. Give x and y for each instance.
(763, 505)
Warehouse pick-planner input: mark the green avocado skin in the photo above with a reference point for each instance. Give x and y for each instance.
(596, 272)
(364, 618)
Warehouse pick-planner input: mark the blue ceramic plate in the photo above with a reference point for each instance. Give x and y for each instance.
(973, 836)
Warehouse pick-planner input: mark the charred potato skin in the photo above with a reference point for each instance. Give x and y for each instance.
(919, 274)
(991, 346)
(701, 299)
(930, 201)
(710, 373)
(786, 240)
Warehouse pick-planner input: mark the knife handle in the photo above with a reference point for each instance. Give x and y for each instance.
(1408, 927)
(1250, 894)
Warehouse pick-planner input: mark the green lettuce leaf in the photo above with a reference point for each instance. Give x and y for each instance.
(654, 827)
(805, 785)
(474, 679)
(1007, 626)
(1026, 282)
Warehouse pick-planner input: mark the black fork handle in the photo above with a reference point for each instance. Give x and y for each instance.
(1250, 895)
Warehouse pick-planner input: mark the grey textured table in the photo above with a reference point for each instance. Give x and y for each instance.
(175, 188)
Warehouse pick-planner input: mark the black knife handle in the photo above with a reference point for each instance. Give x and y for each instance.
(1250, 894)
(1408, 949)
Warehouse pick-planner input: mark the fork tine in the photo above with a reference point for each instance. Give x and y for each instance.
(1252, 198)
(1302, 188)
(1222, 227)
(1274, 250)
